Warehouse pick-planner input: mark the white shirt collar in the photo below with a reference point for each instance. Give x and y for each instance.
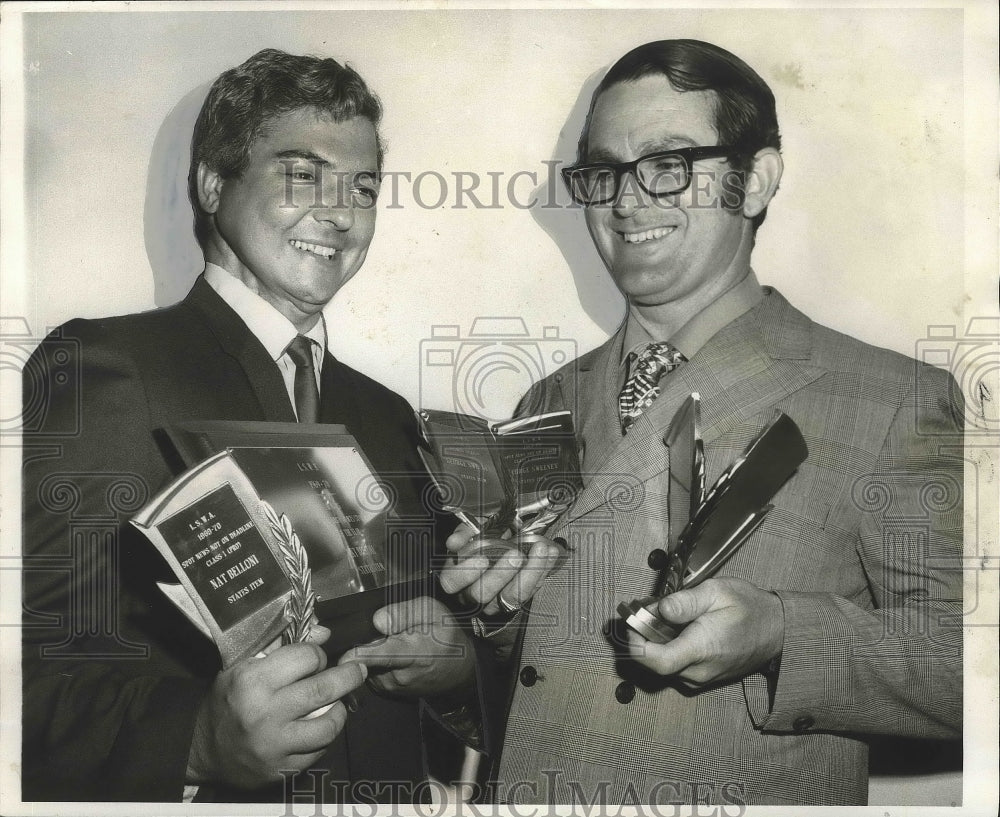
(688, 340)
(266, 323)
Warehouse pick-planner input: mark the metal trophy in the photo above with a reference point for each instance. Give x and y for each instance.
(707, 527)
(509, 479)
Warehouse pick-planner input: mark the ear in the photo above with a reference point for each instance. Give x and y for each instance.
(762, 181)
(209, 188)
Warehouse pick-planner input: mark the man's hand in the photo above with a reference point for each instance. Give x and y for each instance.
(252, 726)
(733, 629)
(318, 634)
(425, 652)
(515, 576)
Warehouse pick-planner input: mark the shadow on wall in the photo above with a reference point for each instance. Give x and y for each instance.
(176, 259)
(173, 252)
(565, 224)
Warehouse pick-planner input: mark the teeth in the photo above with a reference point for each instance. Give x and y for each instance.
(656, 232)
(315, 249)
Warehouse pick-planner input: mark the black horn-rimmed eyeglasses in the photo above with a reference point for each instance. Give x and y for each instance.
(660, 174)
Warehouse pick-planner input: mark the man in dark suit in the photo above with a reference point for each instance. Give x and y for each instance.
(123, 699)
(840, 617)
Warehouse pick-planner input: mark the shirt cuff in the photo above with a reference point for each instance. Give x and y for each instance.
(492, 626)
(461, 715)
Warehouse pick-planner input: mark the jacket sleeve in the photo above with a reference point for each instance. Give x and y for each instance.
(897, 668)
(103, 718)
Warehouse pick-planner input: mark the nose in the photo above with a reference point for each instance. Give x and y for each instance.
(338, 213)
(630, 197)
(336, 207)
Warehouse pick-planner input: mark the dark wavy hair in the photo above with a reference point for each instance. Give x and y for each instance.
(271, 83)
(745, 115)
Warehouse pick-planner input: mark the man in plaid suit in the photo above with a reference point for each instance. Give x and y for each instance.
(840, 617)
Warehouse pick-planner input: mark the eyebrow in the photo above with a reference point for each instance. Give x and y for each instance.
(660, 144)
(299, 153)
(310, 156)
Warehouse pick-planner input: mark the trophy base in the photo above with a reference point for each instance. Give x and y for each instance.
(640, 615)
(494, 548)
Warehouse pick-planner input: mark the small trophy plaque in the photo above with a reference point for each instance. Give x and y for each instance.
(244, 576)
(359, 556)
(512, 477)
(707, 527)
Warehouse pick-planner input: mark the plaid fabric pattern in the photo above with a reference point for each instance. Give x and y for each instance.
(863, 547)
(643, 385)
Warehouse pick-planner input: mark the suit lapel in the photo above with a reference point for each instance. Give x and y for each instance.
(594, 403)
(239, 343)
(614, 465)
(748, 368)
(334, 403)
(745, 370)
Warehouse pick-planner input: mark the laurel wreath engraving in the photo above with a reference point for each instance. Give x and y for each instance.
(301, 603)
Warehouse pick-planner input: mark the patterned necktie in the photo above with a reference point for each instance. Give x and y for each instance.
(306, 392)
(643, 386)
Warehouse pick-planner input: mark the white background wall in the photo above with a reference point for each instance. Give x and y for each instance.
(866, 233)
(884, 224)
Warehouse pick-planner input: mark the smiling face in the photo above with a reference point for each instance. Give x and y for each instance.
(296, 224)
(682, 250)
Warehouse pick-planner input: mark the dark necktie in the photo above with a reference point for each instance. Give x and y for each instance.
(306, 392)
(643, 385)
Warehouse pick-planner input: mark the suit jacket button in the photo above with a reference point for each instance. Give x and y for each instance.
(528, 676)
(802, 723)
(657, 559)
(625, 692)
